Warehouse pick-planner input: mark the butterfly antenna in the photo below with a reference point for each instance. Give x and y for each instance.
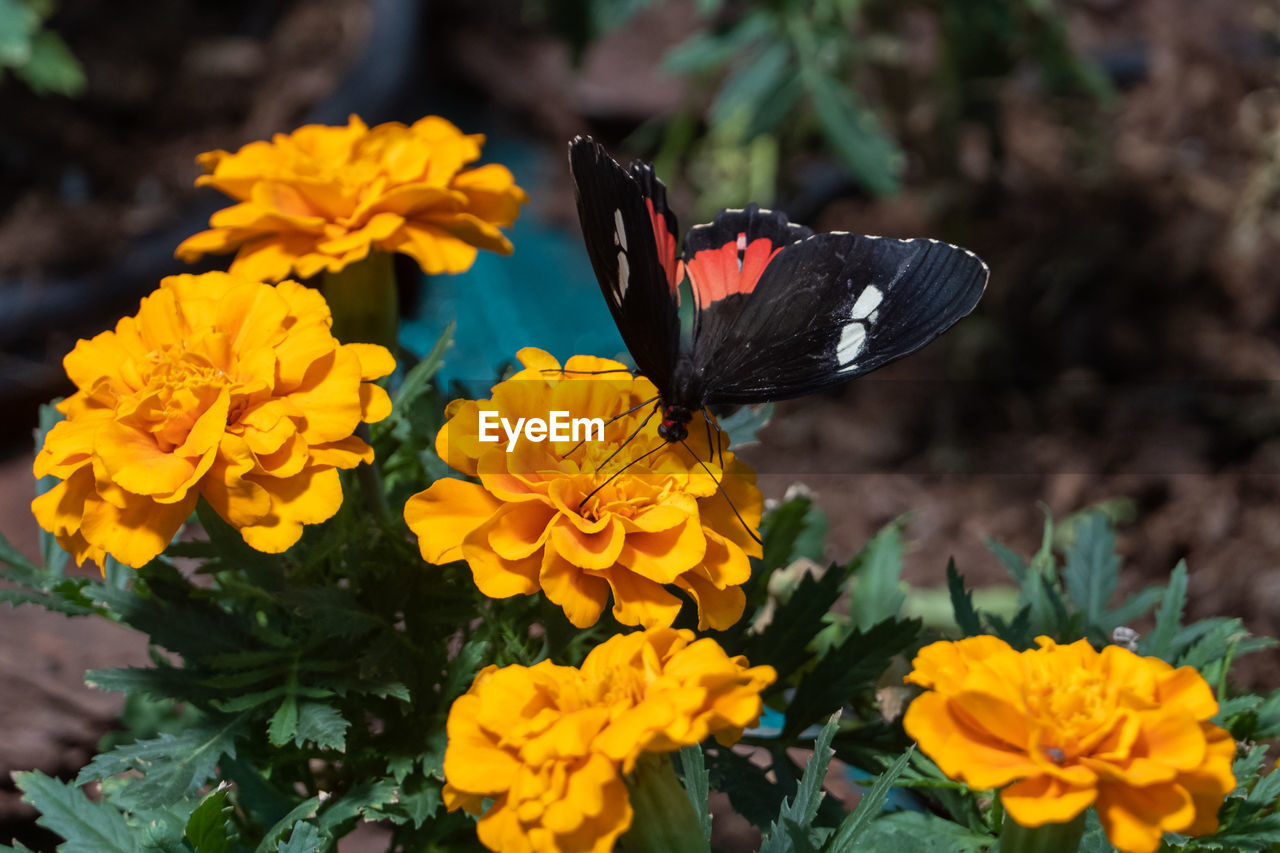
(611, 420)
(720, 489)
(615, 474)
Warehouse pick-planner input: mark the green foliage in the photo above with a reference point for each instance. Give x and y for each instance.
(292, 697)
(35, 55)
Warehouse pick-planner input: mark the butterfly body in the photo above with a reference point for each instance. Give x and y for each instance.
(779, 311)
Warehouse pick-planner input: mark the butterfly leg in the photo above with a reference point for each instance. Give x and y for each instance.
(611, 420)
(720, 489)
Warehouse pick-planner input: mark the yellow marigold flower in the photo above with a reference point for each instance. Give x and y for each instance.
(220, 386)
(1061, 728)
(525, 526)
(548, 745)
(317, 199)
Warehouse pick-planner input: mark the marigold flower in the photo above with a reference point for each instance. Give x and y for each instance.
(317, 199)
(549, 745)
(220, 386)
(536, 521)
(1061, 728)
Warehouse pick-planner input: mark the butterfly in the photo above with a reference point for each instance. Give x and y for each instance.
(779, 311)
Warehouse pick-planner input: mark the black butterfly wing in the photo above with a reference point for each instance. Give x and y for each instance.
(822, 310)
(631, 239)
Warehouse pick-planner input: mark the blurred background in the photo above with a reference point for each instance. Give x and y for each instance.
(1116, 162)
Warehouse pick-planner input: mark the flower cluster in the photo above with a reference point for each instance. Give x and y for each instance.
(548, 745)
(317, 199)
(580, 520)
(1061, 728)
(221, 387)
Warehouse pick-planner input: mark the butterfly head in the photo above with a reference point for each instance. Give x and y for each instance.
(675, 422)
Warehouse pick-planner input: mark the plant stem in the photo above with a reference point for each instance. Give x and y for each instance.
(1050, 838)
(362, 298)
(663, 821)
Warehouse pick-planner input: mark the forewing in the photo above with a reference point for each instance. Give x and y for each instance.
(832, 307)
(630, 237)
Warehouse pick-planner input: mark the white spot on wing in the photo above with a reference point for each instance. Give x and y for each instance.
(852, 338)
(619, 230)
(624, 276)
(868, 301)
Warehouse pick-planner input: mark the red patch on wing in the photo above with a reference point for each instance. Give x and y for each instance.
(666, 243)
(717, 273)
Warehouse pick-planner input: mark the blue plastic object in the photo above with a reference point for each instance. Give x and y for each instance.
(545, 295)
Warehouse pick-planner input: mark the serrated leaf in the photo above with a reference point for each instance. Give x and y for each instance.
(877, 578)
(1092, 569)
(780, 529)
(752, 793)
(88, 827)
(803, 807)
(697, 784)
(919, 832)
(1159, 641)
(284, 722)
(869, 806)
(304, 838)
(13, 557)
(162, 682)
(856, 663)
(784, 641)
(962, 603)
(322, 725)
(47, 600)
(1010, 559)
(172, 766)
(366, 796)
(286, 824)
(463, 668)
(208, 828)
(419, 799)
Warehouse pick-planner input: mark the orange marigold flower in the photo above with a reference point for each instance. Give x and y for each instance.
(317, 199)
(548, 745)
(552, 517)
(1061, 728)
(220, 386)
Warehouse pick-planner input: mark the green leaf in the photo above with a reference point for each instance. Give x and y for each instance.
(1013, 563)
(1159, 642)
(1093, 570)
(877, 576)
(743, 424)
(364, 798)
(304, 838)
(284, 722)
(321, 724)
(290, 821)
(782, 530)
(51, 67)
(209, 829)
(746, 87)
(784, 641)
(853, 665)
(88, 827)
(418, 380)
(962, 603)
(752, 793)
(803, 807)
(705, 52)
(172, 766)
(855, 134)
(919, 832)
(697, 784)
(19, 22)
(869, 806)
